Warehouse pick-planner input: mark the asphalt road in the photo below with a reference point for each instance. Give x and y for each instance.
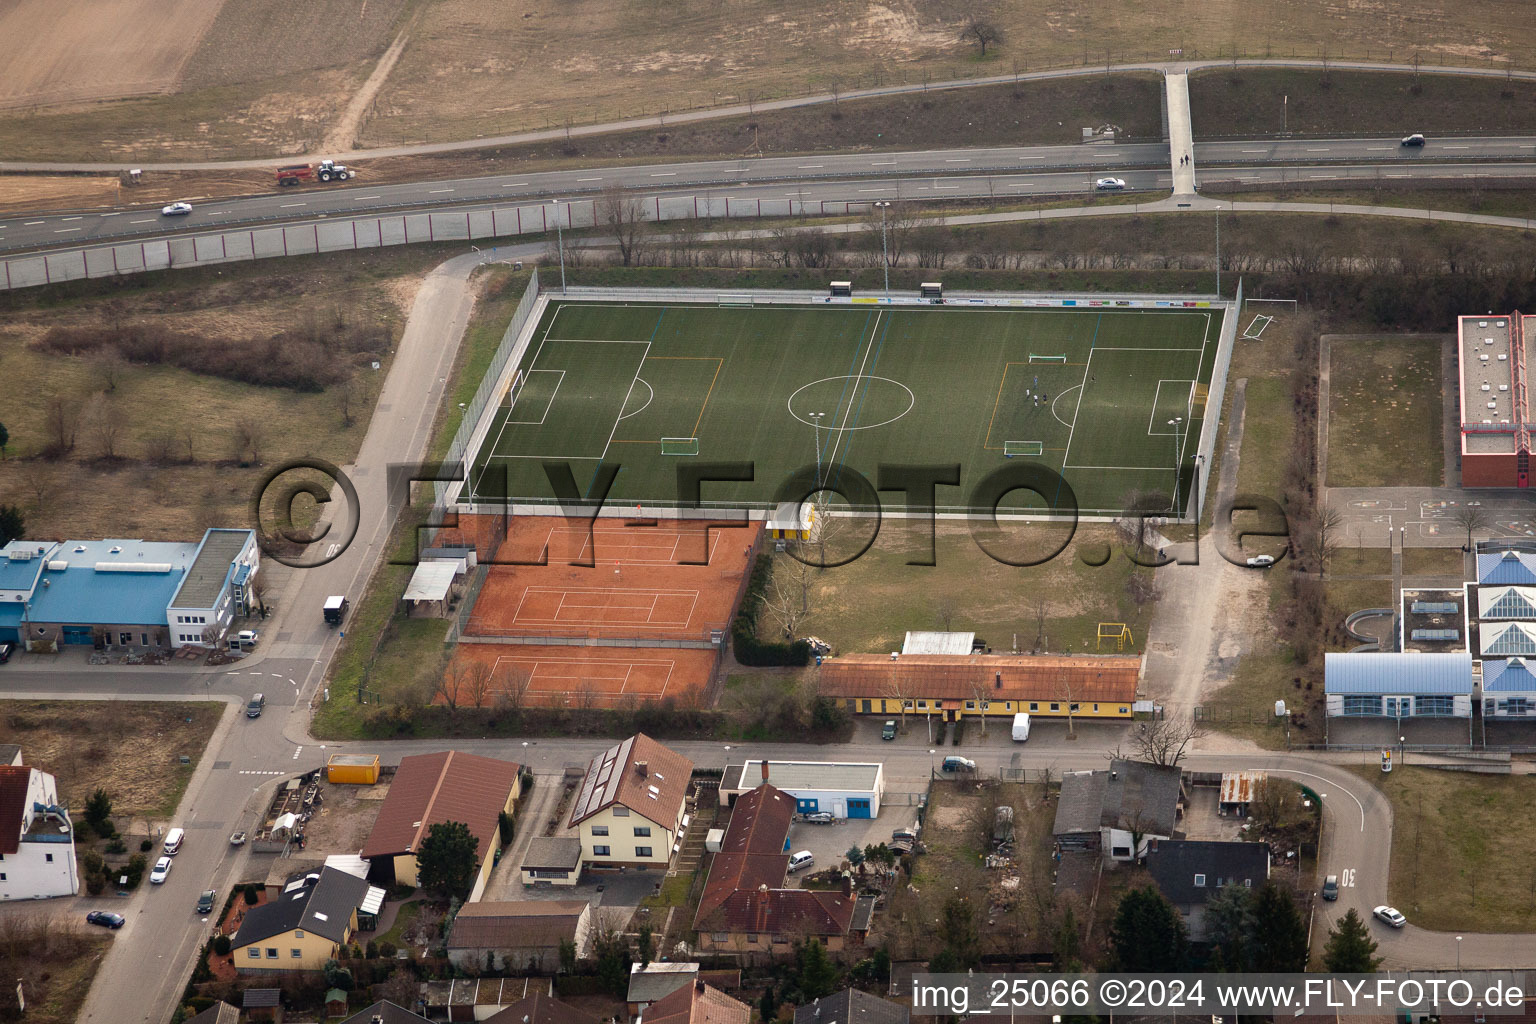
(936, 174)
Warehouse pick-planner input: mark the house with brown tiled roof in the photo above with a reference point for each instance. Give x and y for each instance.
(697, 1004)
(745, 906)
(37, 841)
(430, 789)
(955, 686)
(521, 935)
(540, 1009)
(631, 809)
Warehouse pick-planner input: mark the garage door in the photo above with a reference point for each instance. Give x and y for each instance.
(78, 635)
(10, 635)
(858, 808)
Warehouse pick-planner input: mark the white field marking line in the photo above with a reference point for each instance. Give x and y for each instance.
(599, 341)
(1112, 348)
(1151, 420)
(842, 431)
(1072, 427)
(547, 406)
(624, 683)
(530, 364)
(1138, 469)
(638, 367)
(1058, 398)
(650, 397)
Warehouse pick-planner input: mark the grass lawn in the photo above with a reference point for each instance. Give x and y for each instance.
(1245, 707)
(408, 913)
(55, 959)
(1434, 562)
(1089, 393)
(1250, 103)
(128, 748)
(869, 604)
(1451, 870)
(1385, 413)
(1350, 560)
(175, 431)
(1500, 202)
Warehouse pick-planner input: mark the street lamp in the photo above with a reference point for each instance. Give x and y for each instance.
(1458, 952)
(1177, 451)
(1199, 466)
(885, 258)
(560, 241)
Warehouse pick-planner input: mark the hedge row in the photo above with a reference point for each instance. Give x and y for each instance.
(749, 649)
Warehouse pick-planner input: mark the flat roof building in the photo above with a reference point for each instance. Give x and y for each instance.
(1493, 373)
(843, 789)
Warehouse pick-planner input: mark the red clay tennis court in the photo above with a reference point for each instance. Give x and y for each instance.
(630, 579)
(595, 677)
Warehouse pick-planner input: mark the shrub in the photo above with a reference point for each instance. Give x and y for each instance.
(95, 882)
(386, 949)
(250, 894)
(145, 846)
(372, 952)
(744, 640)
(116, 845)
(221, 945)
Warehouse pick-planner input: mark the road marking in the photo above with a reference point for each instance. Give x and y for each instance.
(1322, 175)
(809, 167)
(1378, 149)
(1020, 184)
(589, 179)
(889, 189)
(147, 220)
(253, 673)
(296, 752)
(1322, 149)
(1455, 147)
(275, 675)
(356, 198)
(664, 174)
(78, 218)
(1255, 151)
(34, 223)
(288, 205)
(957, 160)
(1319, 778)
(939, 188)
(117, 214)
(254, 771)
(882, 163)
(435, 191)
(64, 231)
(514, 184)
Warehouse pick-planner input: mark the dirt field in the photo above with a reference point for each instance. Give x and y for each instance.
(1385, 415)
(87, 744)
(71, 51)
(592, 677)
(153, 490)
(56, 192)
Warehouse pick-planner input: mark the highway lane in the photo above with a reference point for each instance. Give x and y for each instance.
(829, 196)
(835, 177)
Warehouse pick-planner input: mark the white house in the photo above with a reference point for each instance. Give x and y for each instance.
(843, 789)
(216, 586)
(631, 809)
(37, 841)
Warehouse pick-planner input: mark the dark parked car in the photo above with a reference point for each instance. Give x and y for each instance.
(1331, 888)
(888, 732)
(5, 652)
(105, 918)
(205, 902)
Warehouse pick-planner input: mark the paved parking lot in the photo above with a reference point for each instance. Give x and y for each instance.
(1044, 733)
(1384, 732)
(830, 843)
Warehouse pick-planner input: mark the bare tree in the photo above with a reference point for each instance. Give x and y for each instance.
(625, 216)
(981, 32)
(106, 422)
(1064, 694)
(944, 612)
(452, 686)
(787, 599)
(1471, 518)
(109, 365)
(346, 398)
(477, 684)
(42, 481)
(249, 436)
(1163, 741)
(160, 448)
(61, 417)
(512, 686)
(1324, 541)
(900, 220)
(1039, 647)
(189, 436)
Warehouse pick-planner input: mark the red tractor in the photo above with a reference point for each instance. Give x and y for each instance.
(325, 170)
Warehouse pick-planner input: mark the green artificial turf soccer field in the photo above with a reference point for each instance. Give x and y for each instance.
(891, 385)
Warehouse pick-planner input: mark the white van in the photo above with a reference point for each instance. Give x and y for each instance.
(1020, 727)
(803, 859)
(173, 841)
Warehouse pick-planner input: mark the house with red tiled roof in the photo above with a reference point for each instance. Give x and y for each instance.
(955, 686)
(698, 1003)
(745, 906)
(631, 809)
(37, 840)
(430, 789)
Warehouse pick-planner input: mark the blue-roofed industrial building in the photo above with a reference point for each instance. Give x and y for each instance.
(1398, 685)
(1509, 689)
(129, 593)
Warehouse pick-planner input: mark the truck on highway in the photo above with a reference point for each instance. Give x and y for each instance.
(335, 610)
(325, 170)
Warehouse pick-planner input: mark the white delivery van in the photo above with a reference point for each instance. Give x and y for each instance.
(1020, 727)
(173, 841)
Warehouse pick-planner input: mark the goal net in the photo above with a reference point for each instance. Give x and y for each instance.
(510, 399)
(679, 446)
(1012, 448)
(1035, 357)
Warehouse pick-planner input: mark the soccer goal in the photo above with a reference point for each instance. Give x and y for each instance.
(679, 446)
(1012, 448)
(735, 300)
(1035, 357)
(1256, 328)
(510, 398)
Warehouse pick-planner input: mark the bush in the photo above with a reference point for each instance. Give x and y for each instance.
(748, 648)
(145, 846)
(221, 945)
(95, 882)
(116, 845)
(250, 894)
(386, 949)
(372, 952)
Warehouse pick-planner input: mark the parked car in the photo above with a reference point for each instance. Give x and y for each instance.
(161, 869)
(1261, 561)
(105, 918)
(888, 731)
(800, 860)
(956, 763)
(176, 210)
(253, 709)
(237, 839)
(5, 652)
(1110, 185)
(1389, 915)
(1331, 888)
(205, 901)
(820, 818)
(1416, 139)
(817, 645)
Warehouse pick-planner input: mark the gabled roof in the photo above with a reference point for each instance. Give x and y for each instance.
(697, 1003)
(1506, 602)
(1406, 674)
(640, 774)
(649, 982)
(259, 998)
(1508, 567)
(1509, 676)
(219, 1013)
(1080, 802)
(430, 789)
(752, 852)
(324, 907)
(852, 1006)
(525, 924)
(539, 1009)
(1513, 639)
(1141, 797)
(963, 677)
(1190, 872)
(800, 912)
(387, 1013)
(14, 780)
